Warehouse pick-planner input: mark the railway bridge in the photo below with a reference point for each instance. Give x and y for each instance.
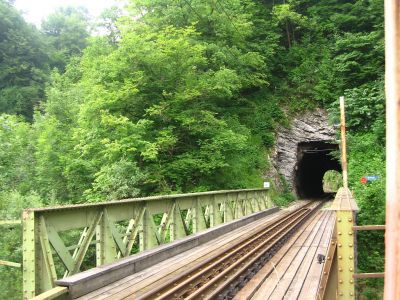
(233, 244)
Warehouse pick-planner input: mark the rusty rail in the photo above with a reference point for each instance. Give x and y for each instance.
(368, 275)
(369, 227)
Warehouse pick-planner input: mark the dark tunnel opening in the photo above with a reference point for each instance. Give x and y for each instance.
(313, 160)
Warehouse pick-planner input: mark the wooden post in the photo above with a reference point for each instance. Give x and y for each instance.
(343, 142)
(392, 82)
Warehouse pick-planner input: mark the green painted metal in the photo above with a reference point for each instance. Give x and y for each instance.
(29, 259)
(10, 264)
(134, 232)
(76, 247)
(345, 254)
(85, 243)
(59, 247)
(49, 271)
(106, 250)
(115, 234)
(346, 208)
(54, 293)
(10, 222)
(119, 226)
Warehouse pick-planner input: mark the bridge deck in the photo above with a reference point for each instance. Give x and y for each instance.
(295, 261)
(294, 272)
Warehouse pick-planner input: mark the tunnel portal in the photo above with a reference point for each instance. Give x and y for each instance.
(313, 160)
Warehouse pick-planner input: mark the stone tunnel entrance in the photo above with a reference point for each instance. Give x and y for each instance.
(313, 160)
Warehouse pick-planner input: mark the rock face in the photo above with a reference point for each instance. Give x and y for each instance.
(311, 126)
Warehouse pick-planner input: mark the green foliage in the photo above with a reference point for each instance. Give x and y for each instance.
(367, 157)
(23, 63)
(282, 198)
(365, 107)
(107, 24)
(158, 103)
(119, 180)
(66, 31)
(16, 160)
(339, 46)
(332, 181)
(358, 58)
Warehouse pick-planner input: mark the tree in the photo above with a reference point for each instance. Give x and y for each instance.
(67, 31)
(16, 154)
(23, 63)
(107, 24)
(287, 16)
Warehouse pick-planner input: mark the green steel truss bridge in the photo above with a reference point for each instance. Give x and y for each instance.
(221, 244)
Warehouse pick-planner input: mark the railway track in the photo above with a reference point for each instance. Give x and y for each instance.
(223, 275)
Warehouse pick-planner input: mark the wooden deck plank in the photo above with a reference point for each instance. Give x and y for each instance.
(311, 282)
(137, 284)
(269, 285)
(296, 286)
(247, 291)
(141, 292)
(295, 270)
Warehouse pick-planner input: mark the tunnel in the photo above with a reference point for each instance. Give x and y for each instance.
(313, 160)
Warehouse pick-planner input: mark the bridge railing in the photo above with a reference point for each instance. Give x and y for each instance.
(61, 241)
(340, 268)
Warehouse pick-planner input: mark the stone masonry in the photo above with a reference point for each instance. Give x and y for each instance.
(308, 127)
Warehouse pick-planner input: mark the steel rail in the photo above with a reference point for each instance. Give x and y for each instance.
(222, 266)
(248, 265)
(193, 283)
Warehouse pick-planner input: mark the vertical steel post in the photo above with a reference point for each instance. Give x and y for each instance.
(105, 248)
(392, 82)
(345, 254)
(177, 229)
(346, 208)
(199, 223)
(229, 212)
(149, 231)
(29, 254)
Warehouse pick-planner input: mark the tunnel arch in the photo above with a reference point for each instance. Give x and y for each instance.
(314, 159)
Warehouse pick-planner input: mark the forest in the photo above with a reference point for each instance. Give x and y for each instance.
(176, 96)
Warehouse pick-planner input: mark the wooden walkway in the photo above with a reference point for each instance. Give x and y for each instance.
(294, 272)
(295, 259)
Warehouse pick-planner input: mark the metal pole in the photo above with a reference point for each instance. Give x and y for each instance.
(343, 142)
(392, 82)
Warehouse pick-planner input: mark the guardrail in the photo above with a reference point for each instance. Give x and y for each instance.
(103, 232)
(375, 274)
(339, 272)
